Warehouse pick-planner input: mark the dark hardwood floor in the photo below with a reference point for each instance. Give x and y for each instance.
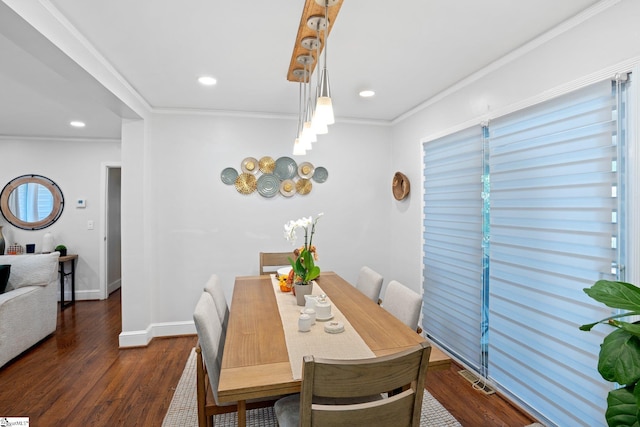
(79, 377)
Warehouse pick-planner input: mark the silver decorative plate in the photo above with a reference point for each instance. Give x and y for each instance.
(229, 175)
(320, 174)
(286, 168)
(268, 185)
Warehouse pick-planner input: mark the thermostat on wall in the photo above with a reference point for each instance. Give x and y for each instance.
(81, 203)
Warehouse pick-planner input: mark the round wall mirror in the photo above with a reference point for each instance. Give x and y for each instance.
(31, 202)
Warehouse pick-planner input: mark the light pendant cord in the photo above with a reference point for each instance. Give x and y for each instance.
(326, 30)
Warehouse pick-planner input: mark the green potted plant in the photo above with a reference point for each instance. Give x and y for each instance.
(62, 249)
(619, 358)
(303, 266)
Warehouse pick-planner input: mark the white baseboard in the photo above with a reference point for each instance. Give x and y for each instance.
(135, 338)
(93, 294)
(168, 329)
(113, 286)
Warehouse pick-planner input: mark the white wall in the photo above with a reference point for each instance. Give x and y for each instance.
(76, 167)
(593, 50)
(197, 225)
(180, 223)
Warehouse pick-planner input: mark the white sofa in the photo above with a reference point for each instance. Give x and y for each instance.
(29, 307)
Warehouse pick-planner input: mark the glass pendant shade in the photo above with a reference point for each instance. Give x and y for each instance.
(308, 136)
(298, 149)
(324, 108)
(307, 130)
(318, 127)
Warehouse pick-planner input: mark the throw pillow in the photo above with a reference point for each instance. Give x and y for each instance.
(5, 269)
(29, 270)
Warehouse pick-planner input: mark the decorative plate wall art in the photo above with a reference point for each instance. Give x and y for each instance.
(280, 177)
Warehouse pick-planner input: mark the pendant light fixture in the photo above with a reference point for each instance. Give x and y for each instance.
(315, 109)
(298, 147)
(318, 126)
(306, 134)
(324, 106)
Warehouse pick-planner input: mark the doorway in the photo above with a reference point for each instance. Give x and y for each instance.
(112, 232)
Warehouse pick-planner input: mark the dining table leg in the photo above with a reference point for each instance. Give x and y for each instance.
(242, 413)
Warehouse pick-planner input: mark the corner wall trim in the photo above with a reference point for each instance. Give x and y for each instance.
(142, 338)
(135, 338)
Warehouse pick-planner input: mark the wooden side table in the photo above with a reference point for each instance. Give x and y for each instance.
(61, 261)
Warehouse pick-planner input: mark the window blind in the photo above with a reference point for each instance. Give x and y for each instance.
(452, 243)
(553, 224)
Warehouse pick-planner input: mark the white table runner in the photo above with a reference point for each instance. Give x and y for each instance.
(317, 342)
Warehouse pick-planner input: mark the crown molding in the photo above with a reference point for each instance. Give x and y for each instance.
(39, 138)
(560, 29)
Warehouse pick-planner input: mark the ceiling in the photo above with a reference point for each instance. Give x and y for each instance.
(407, 51)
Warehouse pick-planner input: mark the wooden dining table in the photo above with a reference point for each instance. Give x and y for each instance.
(255, 361)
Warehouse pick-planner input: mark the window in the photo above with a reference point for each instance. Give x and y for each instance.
(555, 202)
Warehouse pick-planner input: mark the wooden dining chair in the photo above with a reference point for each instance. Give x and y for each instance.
(369, 283)
(403, 303)
(354, 392)
(209, 330)
(273, 260)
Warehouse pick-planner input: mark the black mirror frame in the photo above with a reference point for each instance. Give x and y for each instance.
(58, 202)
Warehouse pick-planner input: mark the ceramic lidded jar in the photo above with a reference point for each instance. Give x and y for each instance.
(304, 323)
(323, 308)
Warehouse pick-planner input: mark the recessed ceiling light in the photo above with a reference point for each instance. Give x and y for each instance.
(77, 124)
(367, 93)
(207, 80)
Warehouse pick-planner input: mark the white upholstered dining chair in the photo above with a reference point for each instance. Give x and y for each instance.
(403, 303)
(352, 392)
(209, 356)
(214, 287)
(369, 283)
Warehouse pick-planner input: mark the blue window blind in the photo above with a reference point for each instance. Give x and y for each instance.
(452, 253)
(554, 188)
(519, 218)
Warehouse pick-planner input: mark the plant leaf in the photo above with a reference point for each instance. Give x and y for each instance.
(622, 410)
(632, 328)
(589, 326)
(615, 294)
(313, 273)
(619, 359)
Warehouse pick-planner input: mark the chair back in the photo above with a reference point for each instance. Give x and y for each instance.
(369, 283)
(209, 331)
(214, 288)
(330, 381)
(403, 303)
(271, 261)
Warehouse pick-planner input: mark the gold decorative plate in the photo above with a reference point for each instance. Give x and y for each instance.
(305, 170)
(246, 183)
(303, 186)
(250, 165)
(287, 188)
(267, 164)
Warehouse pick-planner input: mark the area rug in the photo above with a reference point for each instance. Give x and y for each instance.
(183, 411)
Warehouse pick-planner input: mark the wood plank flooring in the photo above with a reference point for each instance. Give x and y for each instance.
(79, 377)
